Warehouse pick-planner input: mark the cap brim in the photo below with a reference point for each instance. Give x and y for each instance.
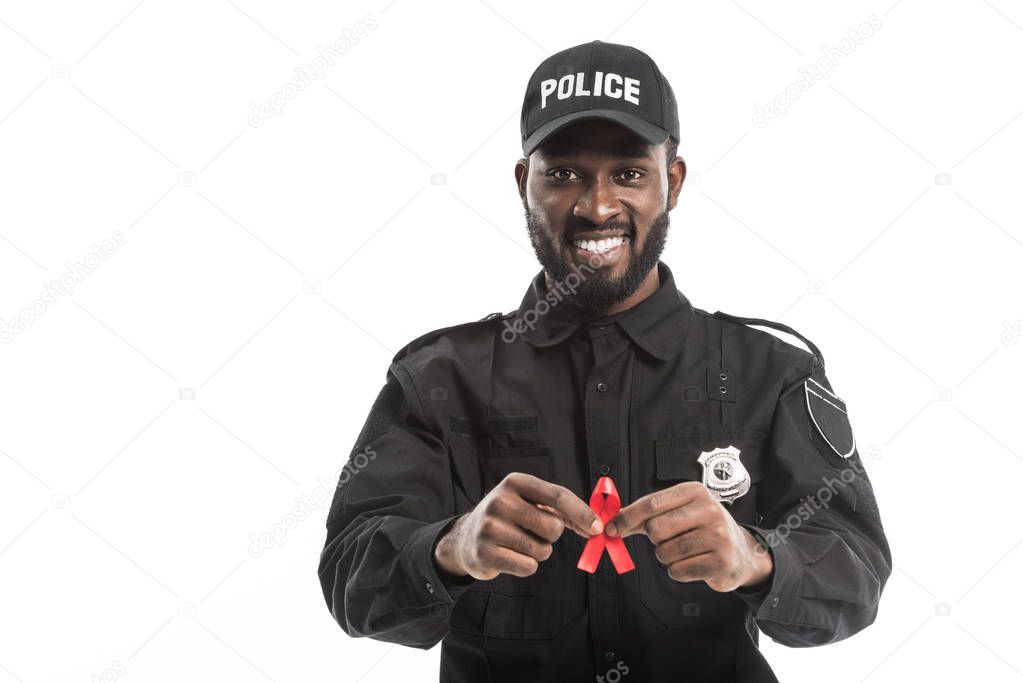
(652, 134)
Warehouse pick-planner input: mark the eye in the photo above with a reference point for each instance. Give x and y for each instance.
(557, 174)
(638, 174)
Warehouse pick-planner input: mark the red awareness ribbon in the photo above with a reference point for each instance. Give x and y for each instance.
(605, 502)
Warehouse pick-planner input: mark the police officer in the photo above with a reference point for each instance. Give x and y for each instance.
(744, 505)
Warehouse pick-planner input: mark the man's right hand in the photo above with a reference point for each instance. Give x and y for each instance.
(513, 528)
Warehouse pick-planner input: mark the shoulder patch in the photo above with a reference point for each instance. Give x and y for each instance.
(830, 417)
(818, 357)
(424, 339)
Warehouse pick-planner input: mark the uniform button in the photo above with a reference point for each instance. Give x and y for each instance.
(601, 387)
(429, 587)
(774, 602)
(605, 470)
(609, 655)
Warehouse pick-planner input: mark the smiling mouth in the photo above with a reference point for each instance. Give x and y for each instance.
(600, 246)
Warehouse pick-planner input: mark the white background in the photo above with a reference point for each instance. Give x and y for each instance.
(876, 216)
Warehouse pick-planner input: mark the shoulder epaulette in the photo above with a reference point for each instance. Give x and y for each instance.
(778, 326)
(423, 339)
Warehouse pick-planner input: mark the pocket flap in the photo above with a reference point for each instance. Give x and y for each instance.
(677, 459)
(674, 461)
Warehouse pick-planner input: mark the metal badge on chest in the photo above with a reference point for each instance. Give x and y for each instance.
(724, 475)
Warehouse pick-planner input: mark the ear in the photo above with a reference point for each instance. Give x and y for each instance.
(676, 176)
(521, 175)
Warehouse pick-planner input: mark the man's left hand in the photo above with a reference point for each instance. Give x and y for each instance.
(695, 537)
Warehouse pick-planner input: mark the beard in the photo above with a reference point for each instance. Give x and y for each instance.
(598, 289)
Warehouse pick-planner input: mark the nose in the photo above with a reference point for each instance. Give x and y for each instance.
(599, 201)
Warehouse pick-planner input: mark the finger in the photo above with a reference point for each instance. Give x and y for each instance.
(697, 568)
(509, 535)
(572, 509)
(540, 520)
(565, 523)
(674, 522)
(507, 561)
(681, 547)
(632, 518)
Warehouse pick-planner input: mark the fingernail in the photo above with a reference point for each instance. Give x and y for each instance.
(597, 526)
(611, 530)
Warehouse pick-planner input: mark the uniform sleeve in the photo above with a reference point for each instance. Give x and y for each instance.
(822, 527)
(393, 502)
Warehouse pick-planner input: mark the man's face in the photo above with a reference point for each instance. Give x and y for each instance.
(597, 198)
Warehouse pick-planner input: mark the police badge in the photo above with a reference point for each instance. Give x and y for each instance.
(723, 474)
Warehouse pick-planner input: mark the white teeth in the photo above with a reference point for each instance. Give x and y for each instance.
(599, 247)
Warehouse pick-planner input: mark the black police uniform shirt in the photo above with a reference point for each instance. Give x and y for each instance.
(636, 396)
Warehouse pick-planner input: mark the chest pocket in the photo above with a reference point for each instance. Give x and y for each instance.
(487, 449)
(531, 607)
(676, 461)
(694, 605)
(498, 463)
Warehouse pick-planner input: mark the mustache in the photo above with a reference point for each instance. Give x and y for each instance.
(612, 226)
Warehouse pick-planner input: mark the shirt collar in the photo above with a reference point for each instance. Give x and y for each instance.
(657, 323)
